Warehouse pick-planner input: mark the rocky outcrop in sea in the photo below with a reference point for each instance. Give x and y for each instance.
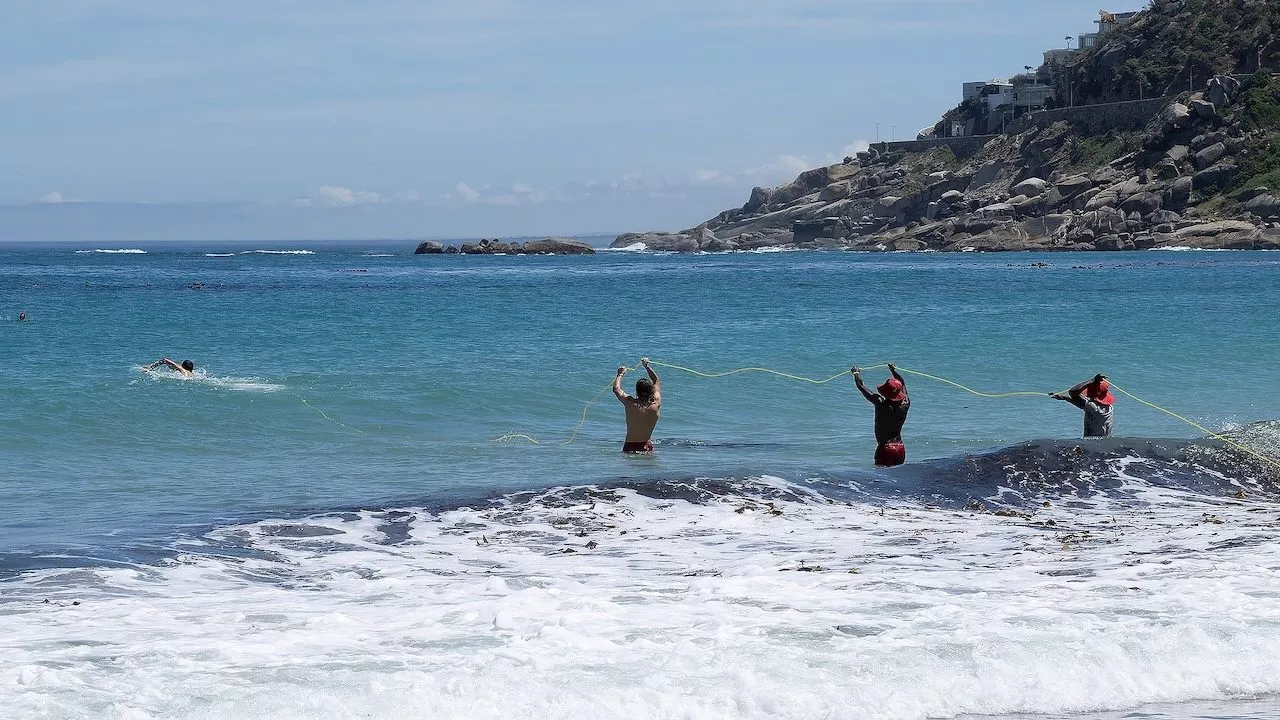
(548, 246)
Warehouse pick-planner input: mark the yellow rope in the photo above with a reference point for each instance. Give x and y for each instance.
(1216, 436)
(814, 381)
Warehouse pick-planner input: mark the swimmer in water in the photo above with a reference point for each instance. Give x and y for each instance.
(187, 368)
(22, 317)
(642, 410)
(892, 405)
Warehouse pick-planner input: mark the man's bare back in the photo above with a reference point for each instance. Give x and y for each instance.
(642, 411)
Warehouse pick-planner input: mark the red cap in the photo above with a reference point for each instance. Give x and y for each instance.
(891, 390)
(1100, 392)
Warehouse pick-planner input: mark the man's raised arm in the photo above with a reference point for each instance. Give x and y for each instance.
(617, 385)
(893, 370)
(857, 380)
(653, 378)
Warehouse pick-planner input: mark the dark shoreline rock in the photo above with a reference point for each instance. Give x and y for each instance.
(491, 246)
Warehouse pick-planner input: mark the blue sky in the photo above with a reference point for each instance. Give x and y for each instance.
(167, 119)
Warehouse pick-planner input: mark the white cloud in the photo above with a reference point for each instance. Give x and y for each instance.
(465, 192)
(334, 196)
(52, 198)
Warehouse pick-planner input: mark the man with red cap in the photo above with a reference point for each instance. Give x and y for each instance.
(1095, 399)
(892, 404)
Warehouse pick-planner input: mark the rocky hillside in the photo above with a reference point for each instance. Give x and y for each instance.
(1196, 175)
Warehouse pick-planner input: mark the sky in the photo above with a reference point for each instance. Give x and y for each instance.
(283, 119)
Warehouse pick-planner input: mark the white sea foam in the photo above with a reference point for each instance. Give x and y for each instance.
(633, 247)
(379, 255)
(624, 606)
(1184, 248)
(240, 384)
(220, 255)
(106, 251)
(278, 252)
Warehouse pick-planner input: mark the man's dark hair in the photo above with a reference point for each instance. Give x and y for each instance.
(644, 390)
(188, 366)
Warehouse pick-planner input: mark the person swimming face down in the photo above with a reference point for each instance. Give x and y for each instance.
(188, 366)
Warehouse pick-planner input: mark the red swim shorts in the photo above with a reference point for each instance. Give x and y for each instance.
(891, 454)
(637, 447)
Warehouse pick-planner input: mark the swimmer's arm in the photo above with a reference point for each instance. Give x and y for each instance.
(617, 386)
(164, 361)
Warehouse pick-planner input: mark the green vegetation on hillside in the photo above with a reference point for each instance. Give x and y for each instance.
(1177, 45)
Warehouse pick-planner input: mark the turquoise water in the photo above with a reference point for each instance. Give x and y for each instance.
(360, 378)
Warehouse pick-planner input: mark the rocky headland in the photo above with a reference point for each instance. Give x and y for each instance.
(1197, 169)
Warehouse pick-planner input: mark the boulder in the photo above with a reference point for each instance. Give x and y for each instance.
(657, 241)
(1031, 187)
(1114, 242)
(888, 206)
(1073, 186)
(1143, 204)
(1216, 176)
(1179, 194)
(1009, 236)
(1105, 199)
(1176, 117)
(1095, 224)
(1210, 155)
(558, 246)
(489, 246)
(1167, 169)
(1079, 202)
(451, 250)
(1251, 193)
(719, 245)
(1204, 109)
(1266, 207)
(836, 191)
(1203, 141)
(951, 196)
(1224, 234)
(1217, 94)
(429, 247)
(1161, 217)
(759, 198)
(1178, 153)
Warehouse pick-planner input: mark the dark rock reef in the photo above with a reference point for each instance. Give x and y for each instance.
(547, 246)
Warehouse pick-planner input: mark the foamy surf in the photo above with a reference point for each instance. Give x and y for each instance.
(278, 252)
(705, 599)
(219, 255)
(239, 384)
(107, 251)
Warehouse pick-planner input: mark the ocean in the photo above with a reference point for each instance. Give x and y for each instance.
(344, 514)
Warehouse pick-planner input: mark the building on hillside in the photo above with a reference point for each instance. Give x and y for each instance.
(974, 90)
(1108, 21)
(1059, 56)
(1030, 93)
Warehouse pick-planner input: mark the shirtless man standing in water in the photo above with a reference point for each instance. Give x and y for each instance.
(642, 410)
(892, 405)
